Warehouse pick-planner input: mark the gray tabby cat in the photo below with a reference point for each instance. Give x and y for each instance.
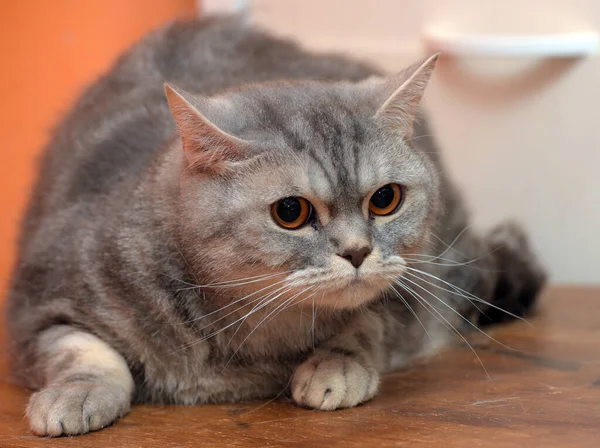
(293, 235)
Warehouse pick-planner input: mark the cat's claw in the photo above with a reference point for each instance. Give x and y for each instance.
(330, 381)
(75, 408)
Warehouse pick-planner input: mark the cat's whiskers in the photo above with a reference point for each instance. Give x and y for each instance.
(264, 301)
(460, 292)
(451, 245)
(257, 307)
(281, 307)
(419, 300)
(416, 137)
(270, 297)
(471, 301)
(459, 314)
(312, 327)
(451, 263)
(425, 303)
(233, 303)
(261, 300)
(448, 246)
(413, 313)
(294, 302)
(250, 280)
(235, 282)
(333, 281)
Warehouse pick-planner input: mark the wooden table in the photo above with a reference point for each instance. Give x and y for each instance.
(545, 393)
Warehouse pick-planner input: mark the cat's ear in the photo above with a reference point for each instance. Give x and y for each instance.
(401, 107)
(207, 148)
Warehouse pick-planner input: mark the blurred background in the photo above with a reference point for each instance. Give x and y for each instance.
(519, 132)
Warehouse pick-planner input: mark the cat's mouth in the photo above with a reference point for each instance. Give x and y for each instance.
(346, 291)
(357, 291)
(337, 285)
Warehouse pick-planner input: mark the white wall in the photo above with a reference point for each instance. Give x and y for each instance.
(522, 138)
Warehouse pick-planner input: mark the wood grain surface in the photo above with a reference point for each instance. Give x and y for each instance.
(543, 392)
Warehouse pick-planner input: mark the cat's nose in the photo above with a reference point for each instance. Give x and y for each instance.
(355, 256)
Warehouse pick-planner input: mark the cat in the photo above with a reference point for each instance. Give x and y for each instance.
(284, 227)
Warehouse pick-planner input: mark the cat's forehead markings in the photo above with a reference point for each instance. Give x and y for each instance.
(320, 182)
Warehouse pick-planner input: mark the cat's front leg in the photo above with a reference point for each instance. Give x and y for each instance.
(87, 384)
(344, 371)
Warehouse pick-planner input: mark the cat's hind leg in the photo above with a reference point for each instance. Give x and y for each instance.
(519, 274)
(87, 384)
(492, 278)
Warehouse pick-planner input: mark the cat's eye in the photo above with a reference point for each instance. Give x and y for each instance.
(386, 200)
(291, 213)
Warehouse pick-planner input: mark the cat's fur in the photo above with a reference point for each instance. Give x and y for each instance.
(126, 221)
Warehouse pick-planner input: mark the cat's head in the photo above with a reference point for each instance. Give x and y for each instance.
(298, 190)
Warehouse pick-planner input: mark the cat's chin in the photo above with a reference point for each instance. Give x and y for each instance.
(351, 296)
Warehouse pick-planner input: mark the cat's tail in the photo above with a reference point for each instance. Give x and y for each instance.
(520, 276)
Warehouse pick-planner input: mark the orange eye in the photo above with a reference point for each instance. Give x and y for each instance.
(291, 213)
(386, 200)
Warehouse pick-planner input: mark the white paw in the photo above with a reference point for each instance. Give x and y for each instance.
(329, 381)
(76, 408)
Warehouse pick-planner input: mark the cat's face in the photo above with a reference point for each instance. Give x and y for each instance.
(319, 195)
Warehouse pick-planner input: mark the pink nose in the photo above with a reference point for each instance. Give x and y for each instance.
(355, 256)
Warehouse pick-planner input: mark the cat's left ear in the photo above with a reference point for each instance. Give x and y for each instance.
(401, 107)
(207, 147)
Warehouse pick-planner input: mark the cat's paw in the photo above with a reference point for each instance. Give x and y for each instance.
(329, 381)
(75, 408)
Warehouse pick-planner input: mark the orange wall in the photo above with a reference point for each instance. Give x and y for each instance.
(50, 50)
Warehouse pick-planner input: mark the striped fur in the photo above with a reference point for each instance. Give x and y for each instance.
(127, 284)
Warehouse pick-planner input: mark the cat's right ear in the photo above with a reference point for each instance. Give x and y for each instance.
(401, 106)
(207, 148)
